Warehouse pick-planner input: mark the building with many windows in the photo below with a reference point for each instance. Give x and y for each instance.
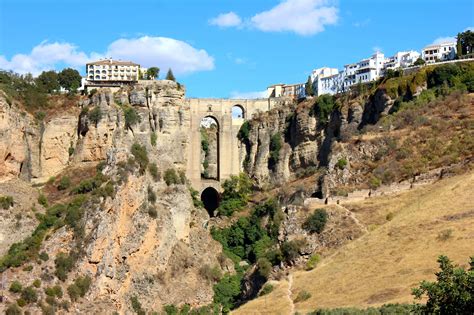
(401, 59)
(294, 91)
(112, 72)
(439, 52)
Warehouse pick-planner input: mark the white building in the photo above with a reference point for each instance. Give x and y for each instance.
(401, 59)
(294, 91)
(439, 52)
(112, 71)
(325, 80)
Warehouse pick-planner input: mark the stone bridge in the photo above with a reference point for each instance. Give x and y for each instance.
(228, 151)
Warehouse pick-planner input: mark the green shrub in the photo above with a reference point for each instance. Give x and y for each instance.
(37, 283)
(341, 163)
(21, 302)
(446, 73)
(152, 212)
(151, 195)
(197, 202)
(171, 177)
(137, 306)
(13, 309)
(87, 185)
(141, 156)
(275, 147)
(226, 291)
(64, 183)
(64, 264)
(28, 268)
(6, 202)
(153, 169)
(302, 296)
(70, 151)
(312, 262)
(266, 289)
(323, 107)
(29, 295)
(42, 200)
(170, 309)
(79, 287)
(95, 115)
(451, 293)
(73, 291)
(131, 117)
(153, 138)
(15, 287)
(316, 222)
(244, 132)
(54, 291)
(374, 182)
(235, 195)
(211, 274)
(264, 267)
(291, 249)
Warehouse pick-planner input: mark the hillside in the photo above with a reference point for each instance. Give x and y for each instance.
(392, 257)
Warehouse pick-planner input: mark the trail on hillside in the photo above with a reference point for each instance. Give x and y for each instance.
(290, 293)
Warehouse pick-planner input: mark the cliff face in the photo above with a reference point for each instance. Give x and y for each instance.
(147, 239)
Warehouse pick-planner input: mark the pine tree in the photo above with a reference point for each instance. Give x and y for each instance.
(170, 75)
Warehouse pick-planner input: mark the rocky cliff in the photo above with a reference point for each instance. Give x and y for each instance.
(143, 238)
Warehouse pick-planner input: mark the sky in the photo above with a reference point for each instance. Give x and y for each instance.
(221, 48)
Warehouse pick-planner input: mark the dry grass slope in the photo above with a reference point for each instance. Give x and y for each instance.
(397, 253)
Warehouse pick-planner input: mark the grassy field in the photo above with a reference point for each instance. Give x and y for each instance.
(407, 232)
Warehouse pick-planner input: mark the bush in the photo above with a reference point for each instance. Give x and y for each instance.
(15, 287)
(37, 283)
(291, 249)
(341, 163)
(235, 195)
(13, 309)
(153, 138)
(131, 117)
(323, 106)
(29, 295)
(266, 289)
(446, 73)
(137, 306)
(64, 183)
(151, 195)
(54, 291)
(42, 200)
(226, 291)
(152, 212)
(6, 202)
(275, 147)
(64, 264)
(264, 267)
(211, 274)
(244, 132)
(170, 177)
(79, 288)
(171, 309)
(312, 262)
(451, 293)
(315, 223)
(141, 156)
(21, 302)
(302, 296)
(95, 115)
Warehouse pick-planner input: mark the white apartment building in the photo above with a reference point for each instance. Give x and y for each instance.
(109, 70)
(325, 80)
(401, 59)
(439, 52)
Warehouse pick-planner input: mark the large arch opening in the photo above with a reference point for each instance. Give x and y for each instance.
(209, 129)
(238, 112)
(210, 198)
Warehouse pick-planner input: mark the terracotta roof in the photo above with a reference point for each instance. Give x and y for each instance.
(113, 62)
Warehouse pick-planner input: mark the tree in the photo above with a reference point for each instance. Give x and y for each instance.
(465, 43)
(70, 79)
(309, 87)
(419, 62)
(452, 293)
(316, 222)
(48, 81)
(152, 73)
(170, 75)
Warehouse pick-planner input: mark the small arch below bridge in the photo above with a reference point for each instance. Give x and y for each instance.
(211, 198)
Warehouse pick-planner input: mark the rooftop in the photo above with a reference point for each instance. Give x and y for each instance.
(113, 62)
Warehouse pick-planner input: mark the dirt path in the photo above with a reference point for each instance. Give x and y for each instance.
(290, 293)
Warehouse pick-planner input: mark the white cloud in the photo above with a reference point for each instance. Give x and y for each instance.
(148, 51)
(362, 23)
(226, 20)
(446, 39)
(247, 95)
(303, 17)
(46, 56)
(162, 52)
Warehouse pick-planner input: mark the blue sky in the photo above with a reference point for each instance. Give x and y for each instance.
(221, 48)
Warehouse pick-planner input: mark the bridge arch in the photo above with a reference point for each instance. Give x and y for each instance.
(210, 147)
(238, 112)
(210, 197)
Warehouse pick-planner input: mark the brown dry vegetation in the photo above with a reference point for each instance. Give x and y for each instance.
(406, 234)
